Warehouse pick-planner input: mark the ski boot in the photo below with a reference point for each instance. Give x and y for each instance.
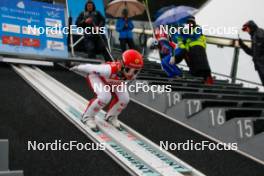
(90, 123)
(113, 120)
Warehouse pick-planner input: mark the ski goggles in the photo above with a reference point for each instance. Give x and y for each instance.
(130, 73)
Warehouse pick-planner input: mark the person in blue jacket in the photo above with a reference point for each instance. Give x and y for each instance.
(167, 53)
(125, 26)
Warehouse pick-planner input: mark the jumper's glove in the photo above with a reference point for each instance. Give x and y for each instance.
(172, 60)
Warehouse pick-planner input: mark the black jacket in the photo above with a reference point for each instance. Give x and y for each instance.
(257, 49)
(98, 19)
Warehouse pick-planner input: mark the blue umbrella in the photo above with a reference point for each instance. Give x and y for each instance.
(162, 10)
(175, 15)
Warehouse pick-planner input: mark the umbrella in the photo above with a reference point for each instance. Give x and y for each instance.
(162, 10)
(174, 15)
(115, 8)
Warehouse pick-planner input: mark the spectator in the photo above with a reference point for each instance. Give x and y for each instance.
(125, 26)
(257, 49)
(192, 47)
(94, 43)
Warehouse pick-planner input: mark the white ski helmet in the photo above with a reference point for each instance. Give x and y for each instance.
(152, 43)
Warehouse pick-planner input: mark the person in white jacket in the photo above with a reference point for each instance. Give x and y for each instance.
(101, 77)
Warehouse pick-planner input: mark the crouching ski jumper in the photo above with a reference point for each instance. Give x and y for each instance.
(167, 53)
(109, 74)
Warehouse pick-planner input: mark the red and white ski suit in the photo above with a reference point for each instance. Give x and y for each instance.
(104, 74)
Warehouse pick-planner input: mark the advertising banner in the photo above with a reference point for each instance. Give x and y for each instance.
(33, 28)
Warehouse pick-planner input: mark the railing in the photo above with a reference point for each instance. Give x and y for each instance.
(219, 41)
(246, 83)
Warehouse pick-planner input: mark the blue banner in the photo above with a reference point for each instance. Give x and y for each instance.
(78, 6)
(33, 28)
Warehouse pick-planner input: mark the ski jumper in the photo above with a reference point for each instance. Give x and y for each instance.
(166, 51)
(99, 76)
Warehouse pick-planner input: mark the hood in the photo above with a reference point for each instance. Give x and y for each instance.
(91, 2)
(252, 25)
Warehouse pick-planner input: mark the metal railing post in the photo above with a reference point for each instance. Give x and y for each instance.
(70, 26)
(234, 68)
(72, 43)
